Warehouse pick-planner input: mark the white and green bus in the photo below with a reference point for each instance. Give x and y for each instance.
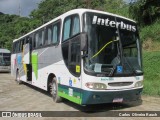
(5, 60)
(85, 56)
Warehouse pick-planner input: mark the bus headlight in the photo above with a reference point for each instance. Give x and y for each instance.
(96, 86)
(138, 84)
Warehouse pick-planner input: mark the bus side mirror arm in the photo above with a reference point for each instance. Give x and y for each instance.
(84, 42)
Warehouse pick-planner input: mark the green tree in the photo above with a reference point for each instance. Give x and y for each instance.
(49, 9)
(117, 7)
(145, 12)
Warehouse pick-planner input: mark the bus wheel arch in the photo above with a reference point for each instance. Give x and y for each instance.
(52, 86)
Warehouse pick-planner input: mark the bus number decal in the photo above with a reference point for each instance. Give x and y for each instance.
(77, 68)
(74, 81)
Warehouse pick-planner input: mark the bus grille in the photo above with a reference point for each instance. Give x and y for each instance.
(120, 84)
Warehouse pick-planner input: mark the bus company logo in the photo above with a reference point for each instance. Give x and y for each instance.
(107, 22)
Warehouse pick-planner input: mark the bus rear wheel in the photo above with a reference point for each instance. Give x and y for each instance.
(18, 77)
(54, 91)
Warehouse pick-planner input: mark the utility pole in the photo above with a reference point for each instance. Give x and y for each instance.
(19, 7)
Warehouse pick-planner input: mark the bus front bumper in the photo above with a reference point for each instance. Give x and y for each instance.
(94, 97)
(5, 69)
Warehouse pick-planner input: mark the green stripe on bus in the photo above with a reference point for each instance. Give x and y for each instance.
(70, 98)
(76, 98)
(66, 91)
(35, 64)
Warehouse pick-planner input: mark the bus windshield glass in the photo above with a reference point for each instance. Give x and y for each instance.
(5, 59)
(113, 45)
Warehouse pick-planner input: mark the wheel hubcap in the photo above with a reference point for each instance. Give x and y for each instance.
(54, 90)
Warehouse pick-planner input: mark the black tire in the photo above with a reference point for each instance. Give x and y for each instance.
(18, 77)
(54, 90)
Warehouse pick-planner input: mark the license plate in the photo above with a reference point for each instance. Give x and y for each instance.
(117, 100)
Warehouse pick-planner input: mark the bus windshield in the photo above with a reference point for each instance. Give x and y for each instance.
(5, 59)
(113, 43)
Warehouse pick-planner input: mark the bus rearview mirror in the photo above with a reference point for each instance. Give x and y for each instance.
(84, 41)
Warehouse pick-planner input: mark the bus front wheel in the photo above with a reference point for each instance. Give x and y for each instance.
(54, 91)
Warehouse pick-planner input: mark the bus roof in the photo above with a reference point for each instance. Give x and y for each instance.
(82, 10)
(74, 11)
(4, 50)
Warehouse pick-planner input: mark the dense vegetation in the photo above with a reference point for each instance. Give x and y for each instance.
(145, 12)
(151, 63)
(13, 26)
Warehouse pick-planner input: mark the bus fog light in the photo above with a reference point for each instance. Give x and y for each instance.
(96, 86)
(138, 84)
(96, 97)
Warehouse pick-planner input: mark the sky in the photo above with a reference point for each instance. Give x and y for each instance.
(26, 6)
(12, 6)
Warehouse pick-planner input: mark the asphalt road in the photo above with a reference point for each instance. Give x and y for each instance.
(24, 97)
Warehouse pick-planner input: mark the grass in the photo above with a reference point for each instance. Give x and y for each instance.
(151, 32)
(151, 65)
(150, 36)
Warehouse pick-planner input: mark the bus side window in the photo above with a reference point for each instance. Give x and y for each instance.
(42, 37)
(56, 31)
(13, 48)
(65, 51)
(36, 40)
(28, 39)
(75, 52)
(48, 37)
(71, 48)
(75, 25)
(55, 36)
(74, 56)
(22, 44)
(17, 46)
(66, 29)
(33, 43)
(25, 40)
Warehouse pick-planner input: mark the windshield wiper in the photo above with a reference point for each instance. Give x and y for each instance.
(103, 48)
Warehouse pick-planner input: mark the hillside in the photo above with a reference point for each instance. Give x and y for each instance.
(151, 64)
(13, 26)
(1, 13)
(150, 36)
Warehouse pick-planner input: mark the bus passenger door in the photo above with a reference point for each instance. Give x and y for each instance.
(26, 61)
